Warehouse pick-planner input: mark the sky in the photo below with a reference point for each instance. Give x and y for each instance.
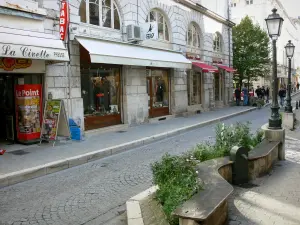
(289, 5)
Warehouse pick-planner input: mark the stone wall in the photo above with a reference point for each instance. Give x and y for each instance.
(135, 97)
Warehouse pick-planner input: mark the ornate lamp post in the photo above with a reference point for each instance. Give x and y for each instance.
(289, 49)
(274, 25)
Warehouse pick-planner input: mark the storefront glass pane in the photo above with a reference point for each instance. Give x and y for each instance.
(106, 13)
(160, 87)
(194, 88)
(94, 14)
(217, 87)
(101, 90)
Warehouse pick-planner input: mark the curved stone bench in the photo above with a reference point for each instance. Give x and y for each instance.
(209, 206)
(262, 157)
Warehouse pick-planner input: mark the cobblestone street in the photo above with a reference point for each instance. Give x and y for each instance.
(273, 199)
(95, 193)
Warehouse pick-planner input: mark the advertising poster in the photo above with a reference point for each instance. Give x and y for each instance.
(50, 122)
(28, 111)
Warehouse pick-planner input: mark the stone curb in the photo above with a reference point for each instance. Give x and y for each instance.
(133, 208)
(34, 172)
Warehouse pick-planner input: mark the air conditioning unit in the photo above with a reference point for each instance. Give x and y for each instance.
(133, 33)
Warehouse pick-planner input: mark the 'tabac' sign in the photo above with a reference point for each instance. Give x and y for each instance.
(64, 20)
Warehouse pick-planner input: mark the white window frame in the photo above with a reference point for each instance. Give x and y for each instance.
(218, 40)
(112, 12)
(193, 30)
(165, 23)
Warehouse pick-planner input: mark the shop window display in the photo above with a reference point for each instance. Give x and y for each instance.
(101, 91)
(194, 88)
(160, 88)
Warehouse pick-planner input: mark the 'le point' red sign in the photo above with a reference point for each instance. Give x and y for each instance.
(63, 19)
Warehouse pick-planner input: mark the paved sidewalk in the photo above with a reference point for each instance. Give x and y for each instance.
(275, 198)
(45, 159)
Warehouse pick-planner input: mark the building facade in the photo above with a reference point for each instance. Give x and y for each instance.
(113, 78)
(258, 11)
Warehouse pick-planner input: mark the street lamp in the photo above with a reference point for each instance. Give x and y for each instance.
(274, 25)
(289, 49)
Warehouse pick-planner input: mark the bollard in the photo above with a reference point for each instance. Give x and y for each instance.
(239, 155)
(296, 105)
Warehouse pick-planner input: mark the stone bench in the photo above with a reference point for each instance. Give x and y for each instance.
(262, 157)
(209, 206)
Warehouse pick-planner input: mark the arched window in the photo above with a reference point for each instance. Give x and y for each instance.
(193, 36)
(102, 13)
(163, 30)
(217, 42)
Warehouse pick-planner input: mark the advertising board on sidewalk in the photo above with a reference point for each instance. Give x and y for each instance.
(55, 121)
(28, 104)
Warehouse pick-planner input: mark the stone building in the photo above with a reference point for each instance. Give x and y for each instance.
(181, 64)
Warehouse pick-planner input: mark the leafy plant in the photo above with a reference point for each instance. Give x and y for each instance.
(176, 178)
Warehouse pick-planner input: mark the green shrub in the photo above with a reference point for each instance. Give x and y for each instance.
(176, 178)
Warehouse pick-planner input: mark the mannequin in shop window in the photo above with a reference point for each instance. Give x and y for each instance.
(160, 89)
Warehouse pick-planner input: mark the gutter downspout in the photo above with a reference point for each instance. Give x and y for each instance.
(229, 48)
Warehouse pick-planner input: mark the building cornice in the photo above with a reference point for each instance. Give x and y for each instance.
(200, 8)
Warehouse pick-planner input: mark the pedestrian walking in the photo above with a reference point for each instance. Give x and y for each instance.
(282, 94)
(245, 93)
(258, 92)
(267, 95)
(263, 92)
(237, 93)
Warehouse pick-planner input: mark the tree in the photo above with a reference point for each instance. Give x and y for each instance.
(251, 51)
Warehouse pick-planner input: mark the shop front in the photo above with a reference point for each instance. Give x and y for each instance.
(101, 92)
(158, 89)
(222, 84)
(125, 83)
(23, 57)
(199, 86)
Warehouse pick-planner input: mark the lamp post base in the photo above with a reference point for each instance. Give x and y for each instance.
(275, 124)
(288, 109)
(275, 121)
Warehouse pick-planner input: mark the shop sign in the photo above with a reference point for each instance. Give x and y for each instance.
(28, 111)
(9, 64)
(150, 31)
(32, 52)
(64, 20)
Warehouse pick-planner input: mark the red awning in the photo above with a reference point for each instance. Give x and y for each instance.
(228, 69)
(205, 67)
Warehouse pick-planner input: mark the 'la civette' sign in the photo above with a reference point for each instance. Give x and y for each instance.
(63, 19)
(32, 52)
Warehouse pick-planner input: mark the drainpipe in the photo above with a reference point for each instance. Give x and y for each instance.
(137, 13)
(229, 41)
(229, 47)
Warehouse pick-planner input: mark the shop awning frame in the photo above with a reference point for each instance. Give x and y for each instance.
(109, 52)
(226, 68)
(24, 44)
(205, 67)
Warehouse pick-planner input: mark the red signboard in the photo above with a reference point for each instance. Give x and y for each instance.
(28, 111)
(63, 19)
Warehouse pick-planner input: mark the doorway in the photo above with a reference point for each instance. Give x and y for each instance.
(7, 108)
(8, 85)
(158, 93)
